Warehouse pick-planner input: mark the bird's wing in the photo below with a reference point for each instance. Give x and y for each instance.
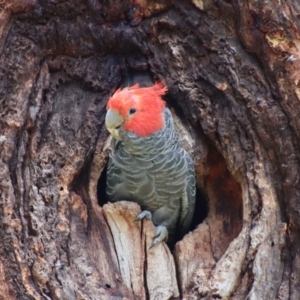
(112, 178)
(188, 197)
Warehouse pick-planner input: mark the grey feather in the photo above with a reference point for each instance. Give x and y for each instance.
(155, 172)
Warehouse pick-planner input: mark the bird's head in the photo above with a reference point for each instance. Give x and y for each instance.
(137, 110)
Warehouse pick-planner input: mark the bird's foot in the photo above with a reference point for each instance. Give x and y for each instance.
(161, 234)
(144, 214)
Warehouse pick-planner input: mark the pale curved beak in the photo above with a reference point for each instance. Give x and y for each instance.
(113, 122)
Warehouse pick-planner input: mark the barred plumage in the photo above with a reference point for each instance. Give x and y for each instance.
(155, 172)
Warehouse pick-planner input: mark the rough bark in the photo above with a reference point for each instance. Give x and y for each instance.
(232, 70)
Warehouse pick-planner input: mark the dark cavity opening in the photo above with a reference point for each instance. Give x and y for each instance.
(101, 187)
(225, 202)
(201, 209)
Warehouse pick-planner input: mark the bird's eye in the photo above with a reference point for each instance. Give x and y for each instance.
(132, 111)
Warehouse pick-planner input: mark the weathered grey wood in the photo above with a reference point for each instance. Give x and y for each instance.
(147, 272)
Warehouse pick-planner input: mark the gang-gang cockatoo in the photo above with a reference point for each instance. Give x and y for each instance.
(147, 164)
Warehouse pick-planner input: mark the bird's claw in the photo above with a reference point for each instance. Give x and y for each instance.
(144, 214)
(161, 234)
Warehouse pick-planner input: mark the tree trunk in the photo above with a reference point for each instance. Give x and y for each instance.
(232, 71)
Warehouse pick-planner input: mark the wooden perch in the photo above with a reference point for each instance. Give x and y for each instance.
(143, 270)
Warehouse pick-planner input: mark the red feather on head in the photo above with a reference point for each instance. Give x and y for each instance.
(148, 117)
